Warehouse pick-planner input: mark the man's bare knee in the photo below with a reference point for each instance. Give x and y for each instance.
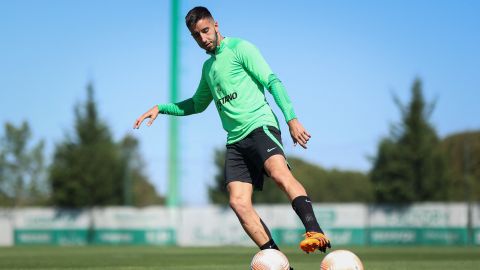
(282, 178)
(240, 205)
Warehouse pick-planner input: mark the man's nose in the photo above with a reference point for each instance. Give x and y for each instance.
(203, 38)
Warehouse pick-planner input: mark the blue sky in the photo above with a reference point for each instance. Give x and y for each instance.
(340, 61)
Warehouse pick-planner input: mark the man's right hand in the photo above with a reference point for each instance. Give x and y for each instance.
(152, 114)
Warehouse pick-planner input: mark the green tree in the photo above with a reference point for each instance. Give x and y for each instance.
(86, 167)
(463, 156)
(90, 169)
(218, 193)
(332, 185)
(22, 168)
(321, 185)
(410, 165)
(137, 187)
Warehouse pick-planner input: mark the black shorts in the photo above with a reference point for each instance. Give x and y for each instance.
(244, 160)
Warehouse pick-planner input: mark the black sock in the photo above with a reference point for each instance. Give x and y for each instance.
(269, 245)
(266, 229)
(303, 207)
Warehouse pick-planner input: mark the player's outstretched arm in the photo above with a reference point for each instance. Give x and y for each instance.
(298, 132)
(152, 114)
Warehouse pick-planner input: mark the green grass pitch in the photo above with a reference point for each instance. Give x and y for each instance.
(231, 258)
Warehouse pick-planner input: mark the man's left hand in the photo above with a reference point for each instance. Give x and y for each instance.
(298, 133)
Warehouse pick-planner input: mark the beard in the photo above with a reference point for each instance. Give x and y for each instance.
(214, 43)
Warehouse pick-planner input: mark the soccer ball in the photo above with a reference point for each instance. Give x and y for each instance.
(341, 260)
(269, 259)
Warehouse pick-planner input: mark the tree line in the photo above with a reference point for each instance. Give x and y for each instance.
(89, 168)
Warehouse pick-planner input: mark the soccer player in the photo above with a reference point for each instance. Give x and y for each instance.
(234, 78)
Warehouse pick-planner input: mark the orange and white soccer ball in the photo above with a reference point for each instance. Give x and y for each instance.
(269, 259)
(341, 260)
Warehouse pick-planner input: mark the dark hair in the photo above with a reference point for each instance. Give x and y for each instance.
(195, 15)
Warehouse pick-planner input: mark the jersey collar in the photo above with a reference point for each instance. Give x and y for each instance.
(219, 48)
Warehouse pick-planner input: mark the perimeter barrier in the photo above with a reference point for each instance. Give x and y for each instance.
(345, 224)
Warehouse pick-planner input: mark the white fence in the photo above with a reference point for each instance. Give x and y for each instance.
(345, 224)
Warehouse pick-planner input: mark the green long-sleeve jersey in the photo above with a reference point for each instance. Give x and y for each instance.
(235, 77)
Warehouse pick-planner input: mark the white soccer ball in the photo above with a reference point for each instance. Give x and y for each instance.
(341, 260)
(269, 259)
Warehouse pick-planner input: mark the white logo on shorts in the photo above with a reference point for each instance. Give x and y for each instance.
(271, 149)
